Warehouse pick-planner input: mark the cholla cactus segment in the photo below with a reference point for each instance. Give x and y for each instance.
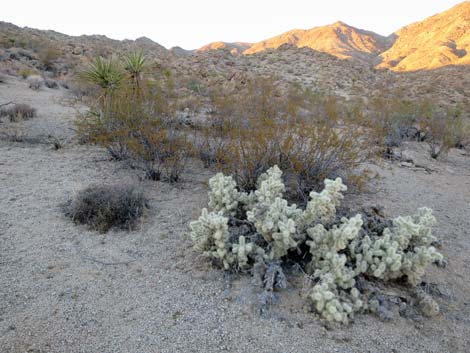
(335, 265)
(223, 195)
(415, 262)
(332, 304)
(335, 239)
(322, 206)
(414, 230)
(402, 250)
(242, 250)
(210, 235)
(276, 223)
(270, 186)
(428, 306)
(380, 257)
(326, 244)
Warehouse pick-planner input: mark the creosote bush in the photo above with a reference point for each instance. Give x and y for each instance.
(305, 133)
(102, 207)
(132, 119)
(249, 231)
(445, 130)
(18, 112)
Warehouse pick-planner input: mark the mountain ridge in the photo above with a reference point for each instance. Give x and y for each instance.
(339, 39)
(437, 41)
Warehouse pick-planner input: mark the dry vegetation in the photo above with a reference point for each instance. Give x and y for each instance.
(102, 207)
(17, 112)
(247, 129)
(156, 121)
(163, 116)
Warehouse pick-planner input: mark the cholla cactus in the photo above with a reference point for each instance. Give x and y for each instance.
(210, 235)
(270, 187)
(322, 206)
(404, 250)
(270, 229)
(276, 223)
(412, 231)
(334, 305)
(380, 257)
(223, 194)
(242, 250)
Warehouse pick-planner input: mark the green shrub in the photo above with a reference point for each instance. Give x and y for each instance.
(26, 72)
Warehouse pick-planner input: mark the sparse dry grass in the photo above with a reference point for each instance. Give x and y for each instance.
(18, 112)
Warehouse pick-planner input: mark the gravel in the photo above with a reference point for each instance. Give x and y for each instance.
(64, 288)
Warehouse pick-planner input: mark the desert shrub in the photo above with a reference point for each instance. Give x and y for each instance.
(443, 130)
(26, 72)
(18, 112)
(132, 120)
(392, 120)
(301, 131)
(35, 82)
(104, 73)
(102, 207)
(48, 55)
(51, 83)
(261, 233)
(458, 127)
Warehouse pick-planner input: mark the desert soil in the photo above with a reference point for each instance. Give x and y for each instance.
(64, 288)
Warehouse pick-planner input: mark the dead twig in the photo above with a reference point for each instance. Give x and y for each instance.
(4, 104)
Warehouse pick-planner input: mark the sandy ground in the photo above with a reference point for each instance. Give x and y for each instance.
(64, 288)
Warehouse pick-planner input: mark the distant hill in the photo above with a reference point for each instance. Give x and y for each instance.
(86, 45)
(338, 39)
(440, 40)
(234, 48)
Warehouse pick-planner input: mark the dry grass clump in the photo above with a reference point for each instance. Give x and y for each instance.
(35, 82)
(18, 112)
(26, 72)
(51, 83)
(102, 207)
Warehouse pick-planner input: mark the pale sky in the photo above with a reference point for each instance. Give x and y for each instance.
(192, 24)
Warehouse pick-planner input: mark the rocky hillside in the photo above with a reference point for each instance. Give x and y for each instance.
(235, 48)
(338, 39)
(92, 45)
(440, 40)
(33, 48)
(338, 58)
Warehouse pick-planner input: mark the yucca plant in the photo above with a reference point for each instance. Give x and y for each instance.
(104, 73)
(134, 64)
